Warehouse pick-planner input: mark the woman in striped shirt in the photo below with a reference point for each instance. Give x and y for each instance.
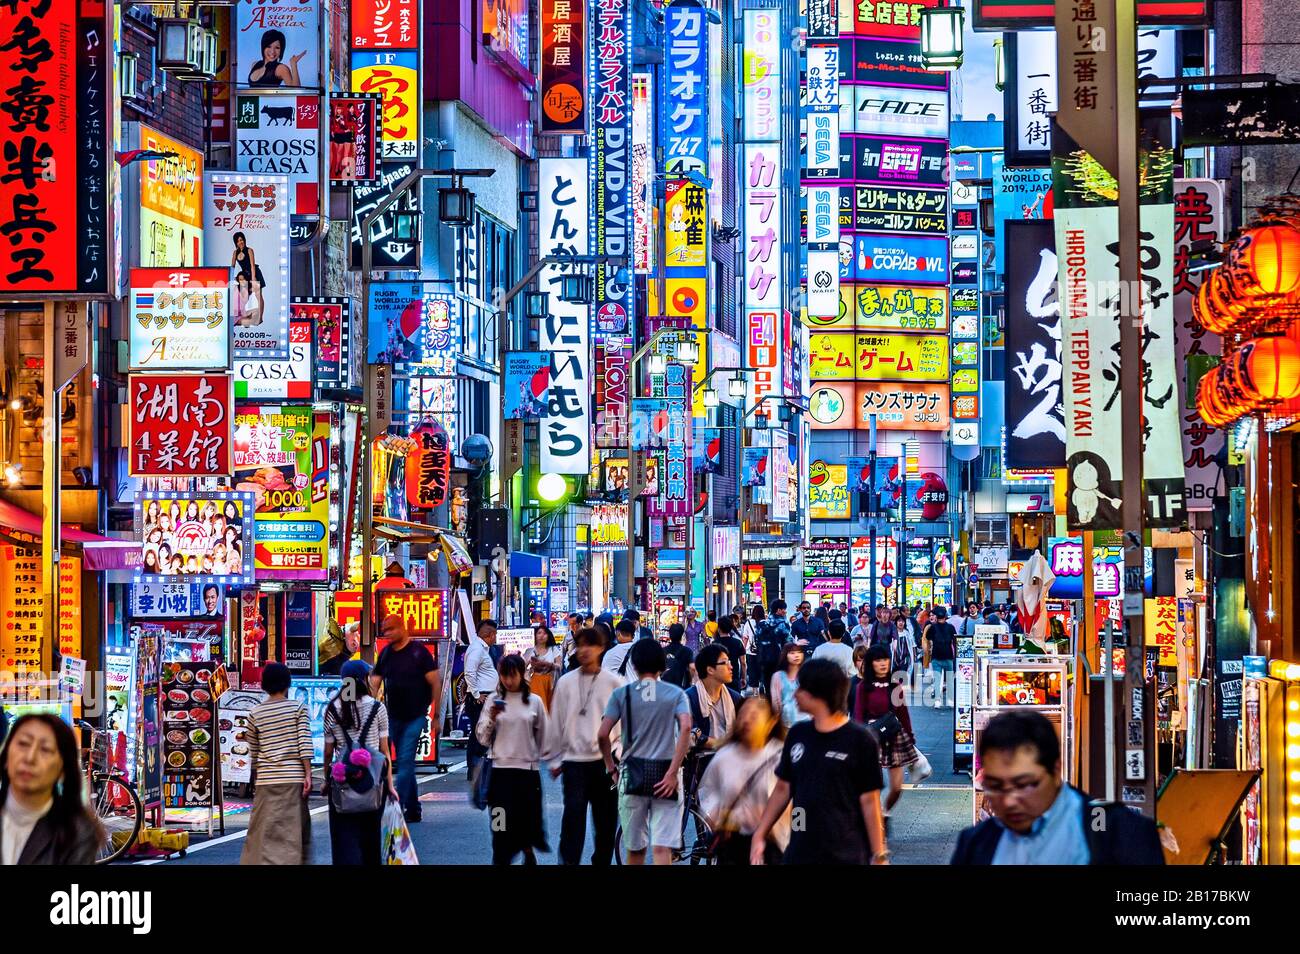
(279, 745)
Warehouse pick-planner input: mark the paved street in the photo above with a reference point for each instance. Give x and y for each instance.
(923, 830)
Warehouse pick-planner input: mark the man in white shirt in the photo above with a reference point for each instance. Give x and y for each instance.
(616, 660)
(480, 681)
(836, 649)
(571, 747)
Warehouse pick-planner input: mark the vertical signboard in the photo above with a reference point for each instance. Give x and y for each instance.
(643, 140)
(171, 203)
(53, 195)
(1198, 219)
(1035, 409)
(247, 221)
(563, 77)
(278, 43)
(761, 75)
(611, 140)
(762, 273)
(685, 98)
(281, 135)
(565, 331)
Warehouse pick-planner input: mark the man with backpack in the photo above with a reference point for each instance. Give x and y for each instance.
(773, 632)
(941, 642)
(617, 656)
(882, 630)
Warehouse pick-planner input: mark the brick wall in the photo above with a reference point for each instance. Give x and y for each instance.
(163, 102)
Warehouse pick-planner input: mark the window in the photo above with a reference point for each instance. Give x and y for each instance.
(991, 530)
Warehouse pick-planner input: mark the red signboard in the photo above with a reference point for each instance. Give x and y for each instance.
(428, 467)
(563, 74)
(354, 137)
(56, 59)
(426, 611)
(1028, 14)
(181, 425)
(385, 25)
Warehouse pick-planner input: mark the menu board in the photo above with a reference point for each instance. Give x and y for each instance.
(188, 725)
(232, 722)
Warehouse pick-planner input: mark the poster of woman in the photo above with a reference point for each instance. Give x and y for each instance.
(278, 44)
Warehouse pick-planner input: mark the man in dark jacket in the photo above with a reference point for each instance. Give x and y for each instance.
(808, 627)
(1037, 818)
(680, 658)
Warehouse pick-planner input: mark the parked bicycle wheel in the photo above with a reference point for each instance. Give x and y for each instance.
(119, 810)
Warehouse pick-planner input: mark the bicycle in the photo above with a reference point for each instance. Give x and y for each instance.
(111, 796)
(698, 853)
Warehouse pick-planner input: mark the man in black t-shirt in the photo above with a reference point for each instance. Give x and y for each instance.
(830, 771)
(941, 641)
(728, 639)
(679, 658)
(411, 682)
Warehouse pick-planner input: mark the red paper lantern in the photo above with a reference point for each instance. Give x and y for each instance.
(1210, 403)
(1211, 308)
(1268, 369)
(1265, 261)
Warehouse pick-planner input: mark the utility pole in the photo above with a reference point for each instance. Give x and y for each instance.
(871, 503)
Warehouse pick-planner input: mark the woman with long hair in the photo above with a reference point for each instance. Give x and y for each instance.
(43, 820)
(879, 704)
(151, 561)
(543, 662)
(513, 727)
(354, 714)
(785, 681)
(735, 787)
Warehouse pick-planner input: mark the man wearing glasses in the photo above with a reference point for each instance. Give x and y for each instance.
(1037, 818)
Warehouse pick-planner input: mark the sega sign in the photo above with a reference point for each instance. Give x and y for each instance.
(824, 215)
(824, 142)
(906, 259)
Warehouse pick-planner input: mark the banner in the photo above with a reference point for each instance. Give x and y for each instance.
(760, 79)
(278, 43)
(247, 231)
(274, 379)
(1162, 450)
(780, 458)
(528, 375)
(281, 134)
(563, 76)
(893, 111)
(1035, 408)
(355, 119)
(643, 165)
(171, 203)
(762, 228)
(281, 457)
(684, 99)
(898, 160)
(1199, 212)
(613, 357)
(331, 332)
(754, 467)
(180, 425)
(898, 406)
(828, 493)
(1087, 229)
(202, 537)
(565, 332)
(610, 83)
(395, 76)
(179, 319)
(54, 194)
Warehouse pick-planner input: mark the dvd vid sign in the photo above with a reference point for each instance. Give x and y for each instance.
(890, 111)
(900, 160)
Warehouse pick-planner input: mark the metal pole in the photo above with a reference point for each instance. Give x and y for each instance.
(871, 504)
(1130, 280)
(51, 478)
(1109, 703)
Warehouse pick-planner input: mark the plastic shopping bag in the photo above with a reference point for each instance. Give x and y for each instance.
(395, 837)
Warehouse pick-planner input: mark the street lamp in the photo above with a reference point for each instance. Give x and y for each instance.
(537, 305)
(456, 206)
(688, 352)
(999, 65)
(551, 488)
(658, 364)
(576, 289)
(710, 397)
(941, 38)
(736, 386)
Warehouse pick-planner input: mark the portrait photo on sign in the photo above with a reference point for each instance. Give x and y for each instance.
(197, 536)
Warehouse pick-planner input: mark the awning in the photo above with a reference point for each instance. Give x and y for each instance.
(99, 553)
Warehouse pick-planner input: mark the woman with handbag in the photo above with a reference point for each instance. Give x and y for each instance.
(879, 704)
(736, 785)
(357, 781)
(513, 727)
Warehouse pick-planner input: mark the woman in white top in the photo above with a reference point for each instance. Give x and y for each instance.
(543, 661)
(513, 727)
(43, 820)
(736, 785)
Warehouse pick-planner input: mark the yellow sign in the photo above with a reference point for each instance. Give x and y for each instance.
(1162, 628)
(687, 225)
(21, 610)
(396, 79)
(828, 491)
(901, 307)
(171, 203)
(878, 356)
(840, 322)
(686, 300)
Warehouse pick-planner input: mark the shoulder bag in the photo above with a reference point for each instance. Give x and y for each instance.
(640, 775)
